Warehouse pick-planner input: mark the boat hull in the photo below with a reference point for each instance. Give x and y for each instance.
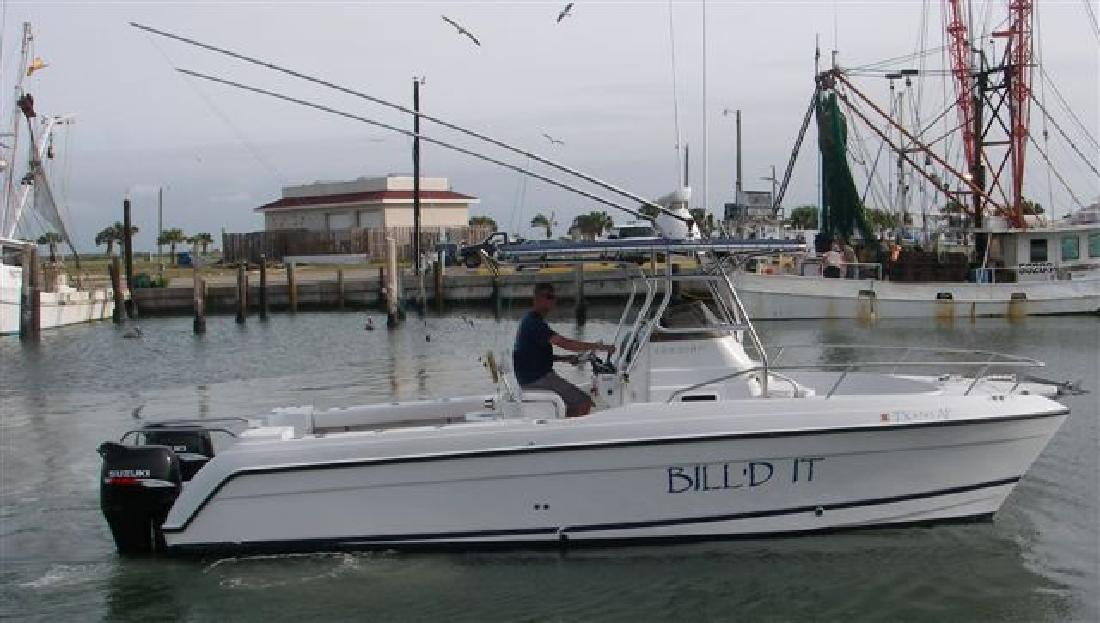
(787, 297)
(56, 309)
(713, 485)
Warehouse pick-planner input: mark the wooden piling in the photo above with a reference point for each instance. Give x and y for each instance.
(340, 288)
(393, 295)
(580, 305)
(114, 269)
(242, 293)
(263, 287)
(438, 275)
(198, 295)
(30, 321)
(495, 297)
(381, 287)
(291, 288)
(128, 254)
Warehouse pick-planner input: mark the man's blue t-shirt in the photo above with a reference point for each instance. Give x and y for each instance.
(533, 356)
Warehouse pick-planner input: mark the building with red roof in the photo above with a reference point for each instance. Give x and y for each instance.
(367, 202)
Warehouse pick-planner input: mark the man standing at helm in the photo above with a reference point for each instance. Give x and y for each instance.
(533, 356)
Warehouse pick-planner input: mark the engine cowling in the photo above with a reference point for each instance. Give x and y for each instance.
(138, 485)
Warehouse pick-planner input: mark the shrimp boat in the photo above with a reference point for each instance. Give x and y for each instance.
(51, 301)
(950, 191)
(699, 432)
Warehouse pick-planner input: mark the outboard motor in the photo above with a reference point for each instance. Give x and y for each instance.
(138, 485)
(192, 444)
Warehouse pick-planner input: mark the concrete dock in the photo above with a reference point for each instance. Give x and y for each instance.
(362, 288)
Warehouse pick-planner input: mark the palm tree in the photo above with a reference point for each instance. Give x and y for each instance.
(51, 238)
(545, 222)
(171, 237)
(592, 224)
(106, 236)
(112, 234)
(483, 221)
(204, 239)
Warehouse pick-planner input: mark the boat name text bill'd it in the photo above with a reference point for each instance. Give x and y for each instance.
(704, 477)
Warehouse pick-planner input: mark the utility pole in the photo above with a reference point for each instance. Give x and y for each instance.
(417, 81)
(737, 195)
(160, 221)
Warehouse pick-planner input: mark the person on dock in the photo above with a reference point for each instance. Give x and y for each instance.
(533, 355)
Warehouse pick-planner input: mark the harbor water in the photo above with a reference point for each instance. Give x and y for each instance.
(1039, 560)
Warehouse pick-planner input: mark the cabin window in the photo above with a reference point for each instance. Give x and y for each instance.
(1094, 245)
(1038, 250)
(699, 398)
(1071, 248)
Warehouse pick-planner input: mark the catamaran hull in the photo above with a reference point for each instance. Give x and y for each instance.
(711, 486)
(783, 297)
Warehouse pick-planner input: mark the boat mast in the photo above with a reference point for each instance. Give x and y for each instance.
(10, 215)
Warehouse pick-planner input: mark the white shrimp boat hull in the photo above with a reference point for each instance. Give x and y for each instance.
(722, 469)
(65, 307)
(792, 297)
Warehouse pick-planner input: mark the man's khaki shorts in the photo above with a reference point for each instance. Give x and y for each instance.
(570, 394)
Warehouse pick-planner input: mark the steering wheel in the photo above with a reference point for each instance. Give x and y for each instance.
(599, 366)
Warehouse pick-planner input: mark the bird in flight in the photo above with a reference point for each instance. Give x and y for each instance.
(461, 30)
(553, 141)
(566, 12)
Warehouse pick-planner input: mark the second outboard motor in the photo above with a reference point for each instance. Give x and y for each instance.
(138, 485)
(191, 444)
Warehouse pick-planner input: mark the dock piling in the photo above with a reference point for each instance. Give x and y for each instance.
(440, 268)
(580, 305)
(29, 312)
(393, 296)
(340, 289)
(291, 288)
(263, 287)
(114, 270)
(242, 293)
(128, 254)
(198, 295)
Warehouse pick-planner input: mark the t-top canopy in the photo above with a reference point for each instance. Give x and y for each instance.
(649, 245)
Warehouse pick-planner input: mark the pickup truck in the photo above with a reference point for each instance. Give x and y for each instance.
(471, 255)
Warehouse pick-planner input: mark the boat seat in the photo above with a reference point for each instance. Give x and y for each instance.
(537, 403)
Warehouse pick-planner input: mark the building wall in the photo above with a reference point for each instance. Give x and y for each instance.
(295, 219)
(401, 215)
(431, 215)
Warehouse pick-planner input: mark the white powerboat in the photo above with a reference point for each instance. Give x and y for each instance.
(698, 432)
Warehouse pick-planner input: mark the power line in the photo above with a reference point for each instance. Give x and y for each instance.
(422, 137)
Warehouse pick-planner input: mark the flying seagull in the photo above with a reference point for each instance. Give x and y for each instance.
(565, 12)
(461, 30)
(553, 141)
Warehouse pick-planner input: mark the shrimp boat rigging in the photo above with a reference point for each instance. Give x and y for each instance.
(27, 190)
(974, 245)
(698, 432)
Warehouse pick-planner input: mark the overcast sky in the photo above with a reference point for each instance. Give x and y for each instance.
(601, 81)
